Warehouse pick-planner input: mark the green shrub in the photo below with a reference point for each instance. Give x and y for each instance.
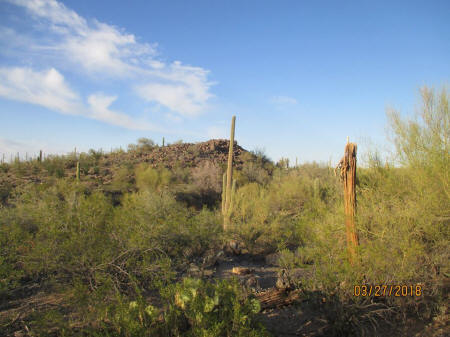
(280, 214)
(151, 178)
(402, 218)
(193, 308)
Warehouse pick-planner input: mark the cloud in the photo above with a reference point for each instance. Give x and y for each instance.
(104, 51)
(46, 88)
(58, 14)
(99, 109)
(283, 100)
(49, 89)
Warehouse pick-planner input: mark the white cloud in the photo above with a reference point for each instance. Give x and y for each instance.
(58, 14)
(283, 100)
(177, 97)
(102, 49)
(49, 89)
(99, 109)
(45, 88)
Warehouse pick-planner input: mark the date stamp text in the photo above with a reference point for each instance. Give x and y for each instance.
(388, 290)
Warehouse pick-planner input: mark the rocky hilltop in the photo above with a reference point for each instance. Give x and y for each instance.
(103, 170)
(189, 154)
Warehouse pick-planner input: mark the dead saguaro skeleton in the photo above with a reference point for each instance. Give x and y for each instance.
(347, 168)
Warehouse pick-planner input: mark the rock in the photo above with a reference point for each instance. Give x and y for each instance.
(242, 270)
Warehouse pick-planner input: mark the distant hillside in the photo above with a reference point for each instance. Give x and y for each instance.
(114, 172)
(188, 154)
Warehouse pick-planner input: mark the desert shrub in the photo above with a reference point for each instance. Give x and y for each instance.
(262, 158)
(63, 229)
(5, 189)
(146, 143)
(122, 180)
(251, 172)
(54, 166)
(402, 218)
(152, 178)
(207, 177)
(181, 174)
(95, 154)
(205, 186)
(283, 163)
(143, 145)
(59, 233)
(278, 215)
(193, 308)
(150, 219)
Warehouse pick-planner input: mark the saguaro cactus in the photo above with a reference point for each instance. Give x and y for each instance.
(163, 142)
(347, 167)
(224, 191)
(226, 209)
(78, 171)
(40, 156)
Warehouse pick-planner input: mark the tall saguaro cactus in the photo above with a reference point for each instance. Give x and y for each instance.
(226, 207)
(347, 167)
(224, 191)
(78, 171)
(40, 156)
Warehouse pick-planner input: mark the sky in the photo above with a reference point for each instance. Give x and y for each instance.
(300, 76)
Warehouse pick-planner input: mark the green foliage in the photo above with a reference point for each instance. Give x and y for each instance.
(193, 308)
(122, 180)
(219, 309)
(60, 234)
(252, 171)
(151, 178)
(402, 217)
(280, 214)
(158, 221)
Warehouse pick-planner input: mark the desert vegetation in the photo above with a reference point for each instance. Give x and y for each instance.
(137, 242)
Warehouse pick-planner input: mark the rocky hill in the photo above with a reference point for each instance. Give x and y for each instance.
(188, 154)
(103, 170)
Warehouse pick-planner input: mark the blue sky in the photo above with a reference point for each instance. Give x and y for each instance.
(300, 76)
